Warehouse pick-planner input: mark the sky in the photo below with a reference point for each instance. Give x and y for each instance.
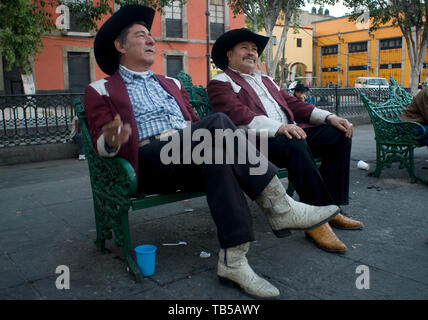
(338, 10)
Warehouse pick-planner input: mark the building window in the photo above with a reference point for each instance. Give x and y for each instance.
(357, 46)
(328, 50)
(74, 27)
(78, 71)
(173, 20)
(355, 68)
(78, 63)
(393, 43)
(299, 42)
(174, 64)
(390, 66)
(216, 18)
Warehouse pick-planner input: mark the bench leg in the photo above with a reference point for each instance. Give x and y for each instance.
(103, 231)
(380, 159)
(113, 217)
(410, 166)
(132, 266)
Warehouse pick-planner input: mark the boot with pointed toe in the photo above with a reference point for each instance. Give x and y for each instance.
(285, 214)
(342, 222)
(324, 238)
(233, 268)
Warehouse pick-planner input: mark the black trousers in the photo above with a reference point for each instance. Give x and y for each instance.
(329, 184)
(224, 184)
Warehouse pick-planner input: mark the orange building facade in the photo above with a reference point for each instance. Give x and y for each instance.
(67, 62)
(344, 51)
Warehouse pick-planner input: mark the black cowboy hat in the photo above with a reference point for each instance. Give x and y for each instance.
(229, 39)
(105, 53)
(301, 88)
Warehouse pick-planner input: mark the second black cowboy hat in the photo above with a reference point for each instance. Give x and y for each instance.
(301, 88)
(105, 53)
(229, 39)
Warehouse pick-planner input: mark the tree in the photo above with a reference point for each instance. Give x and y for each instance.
(266, 13)
(411, 16)
(22, 24)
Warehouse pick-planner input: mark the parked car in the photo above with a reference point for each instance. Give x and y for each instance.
(371, 83)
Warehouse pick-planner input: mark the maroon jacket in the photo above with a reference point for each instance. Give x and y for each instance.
(107, 97)
(239, 101)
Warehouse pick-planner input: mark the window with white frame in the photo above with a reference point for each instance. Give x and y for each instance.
(173, 20)
(216, 18)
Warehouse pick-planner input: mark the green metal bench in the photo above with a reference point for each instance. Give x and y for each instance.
(114, 185)
(395, 139)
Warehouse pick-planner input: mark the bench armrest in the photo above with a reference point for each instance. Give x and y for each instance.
(112, 178)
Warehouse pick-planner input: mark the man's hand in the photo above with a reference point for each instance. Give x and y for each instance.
(116, 133)
(292, 129)
(341, 124)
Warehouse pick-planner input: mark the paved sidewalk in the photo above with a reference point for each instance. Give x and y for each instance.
(47, 220)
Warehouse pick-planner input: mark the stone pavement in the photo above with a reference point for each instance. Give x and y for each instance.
(47, 220)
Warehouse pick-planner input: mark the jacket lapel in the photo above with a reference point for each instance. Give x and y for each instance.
(244, 85)
(118, 94)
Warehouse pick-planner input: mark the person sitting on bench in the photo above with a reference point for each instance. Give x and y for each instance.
(130, 113)
(298, 131)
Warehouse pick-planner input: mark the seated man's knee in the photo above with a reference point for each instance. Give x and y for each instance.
(220, 120)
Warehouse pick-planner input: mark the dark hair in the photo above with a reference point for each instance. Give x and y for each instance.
(124, 33)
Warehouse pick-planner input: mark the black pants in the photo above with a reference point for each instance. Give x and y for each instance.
(224, 184)
(329, 184)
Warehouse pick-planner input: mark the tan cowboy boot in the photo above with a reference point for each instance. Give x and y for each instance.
(284, 213)
(233, 268)
(325, 239)
(342, 222)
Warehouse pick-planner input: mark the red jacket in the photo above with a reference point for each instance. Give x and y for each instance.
(239, 101)
(107, 97)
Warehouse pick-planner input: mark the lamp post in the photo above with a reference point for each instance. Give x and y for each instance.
(207, 14)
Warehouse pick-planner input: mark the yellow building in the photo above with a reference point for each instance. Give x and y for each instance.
(298, 52)
(343, 52)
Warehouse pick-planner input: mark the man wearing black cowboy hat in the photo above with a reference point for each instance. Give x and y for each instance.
(131, 111)
(300, 91)
(297, 130)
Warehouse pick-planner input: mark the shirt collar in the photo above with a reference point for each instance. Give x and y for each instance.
(256, 74)
(129, 75)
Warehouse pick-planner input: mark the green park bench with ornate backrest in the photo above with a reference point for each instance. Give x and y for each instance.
(114, 184)
(395, 139)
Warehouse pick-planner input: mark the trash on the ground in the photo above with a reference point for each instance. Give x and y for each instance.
(363, 165)
(354, 247)
(204, 254)
(374, 187)
(188, 210)
(184, 243)
(18, 213)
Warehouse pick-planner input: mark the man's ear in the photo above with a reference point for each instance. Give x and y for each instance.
(119, 47)
(229, 54)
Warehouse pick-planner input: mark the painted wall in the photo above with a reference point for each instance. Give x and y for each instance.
(50, 71)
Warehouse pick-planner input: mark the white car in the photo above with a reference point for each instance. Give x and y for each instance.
(371, 82)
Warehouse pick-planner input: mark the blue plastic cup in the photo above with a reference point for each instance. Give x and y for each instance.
(146, 254)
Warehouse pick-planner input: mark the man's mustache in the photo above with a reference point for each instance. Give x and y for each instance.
(250, 57)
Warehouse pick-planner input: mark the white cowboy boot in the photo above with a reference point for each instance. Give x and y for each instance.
(285, 214)
(233, 268)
